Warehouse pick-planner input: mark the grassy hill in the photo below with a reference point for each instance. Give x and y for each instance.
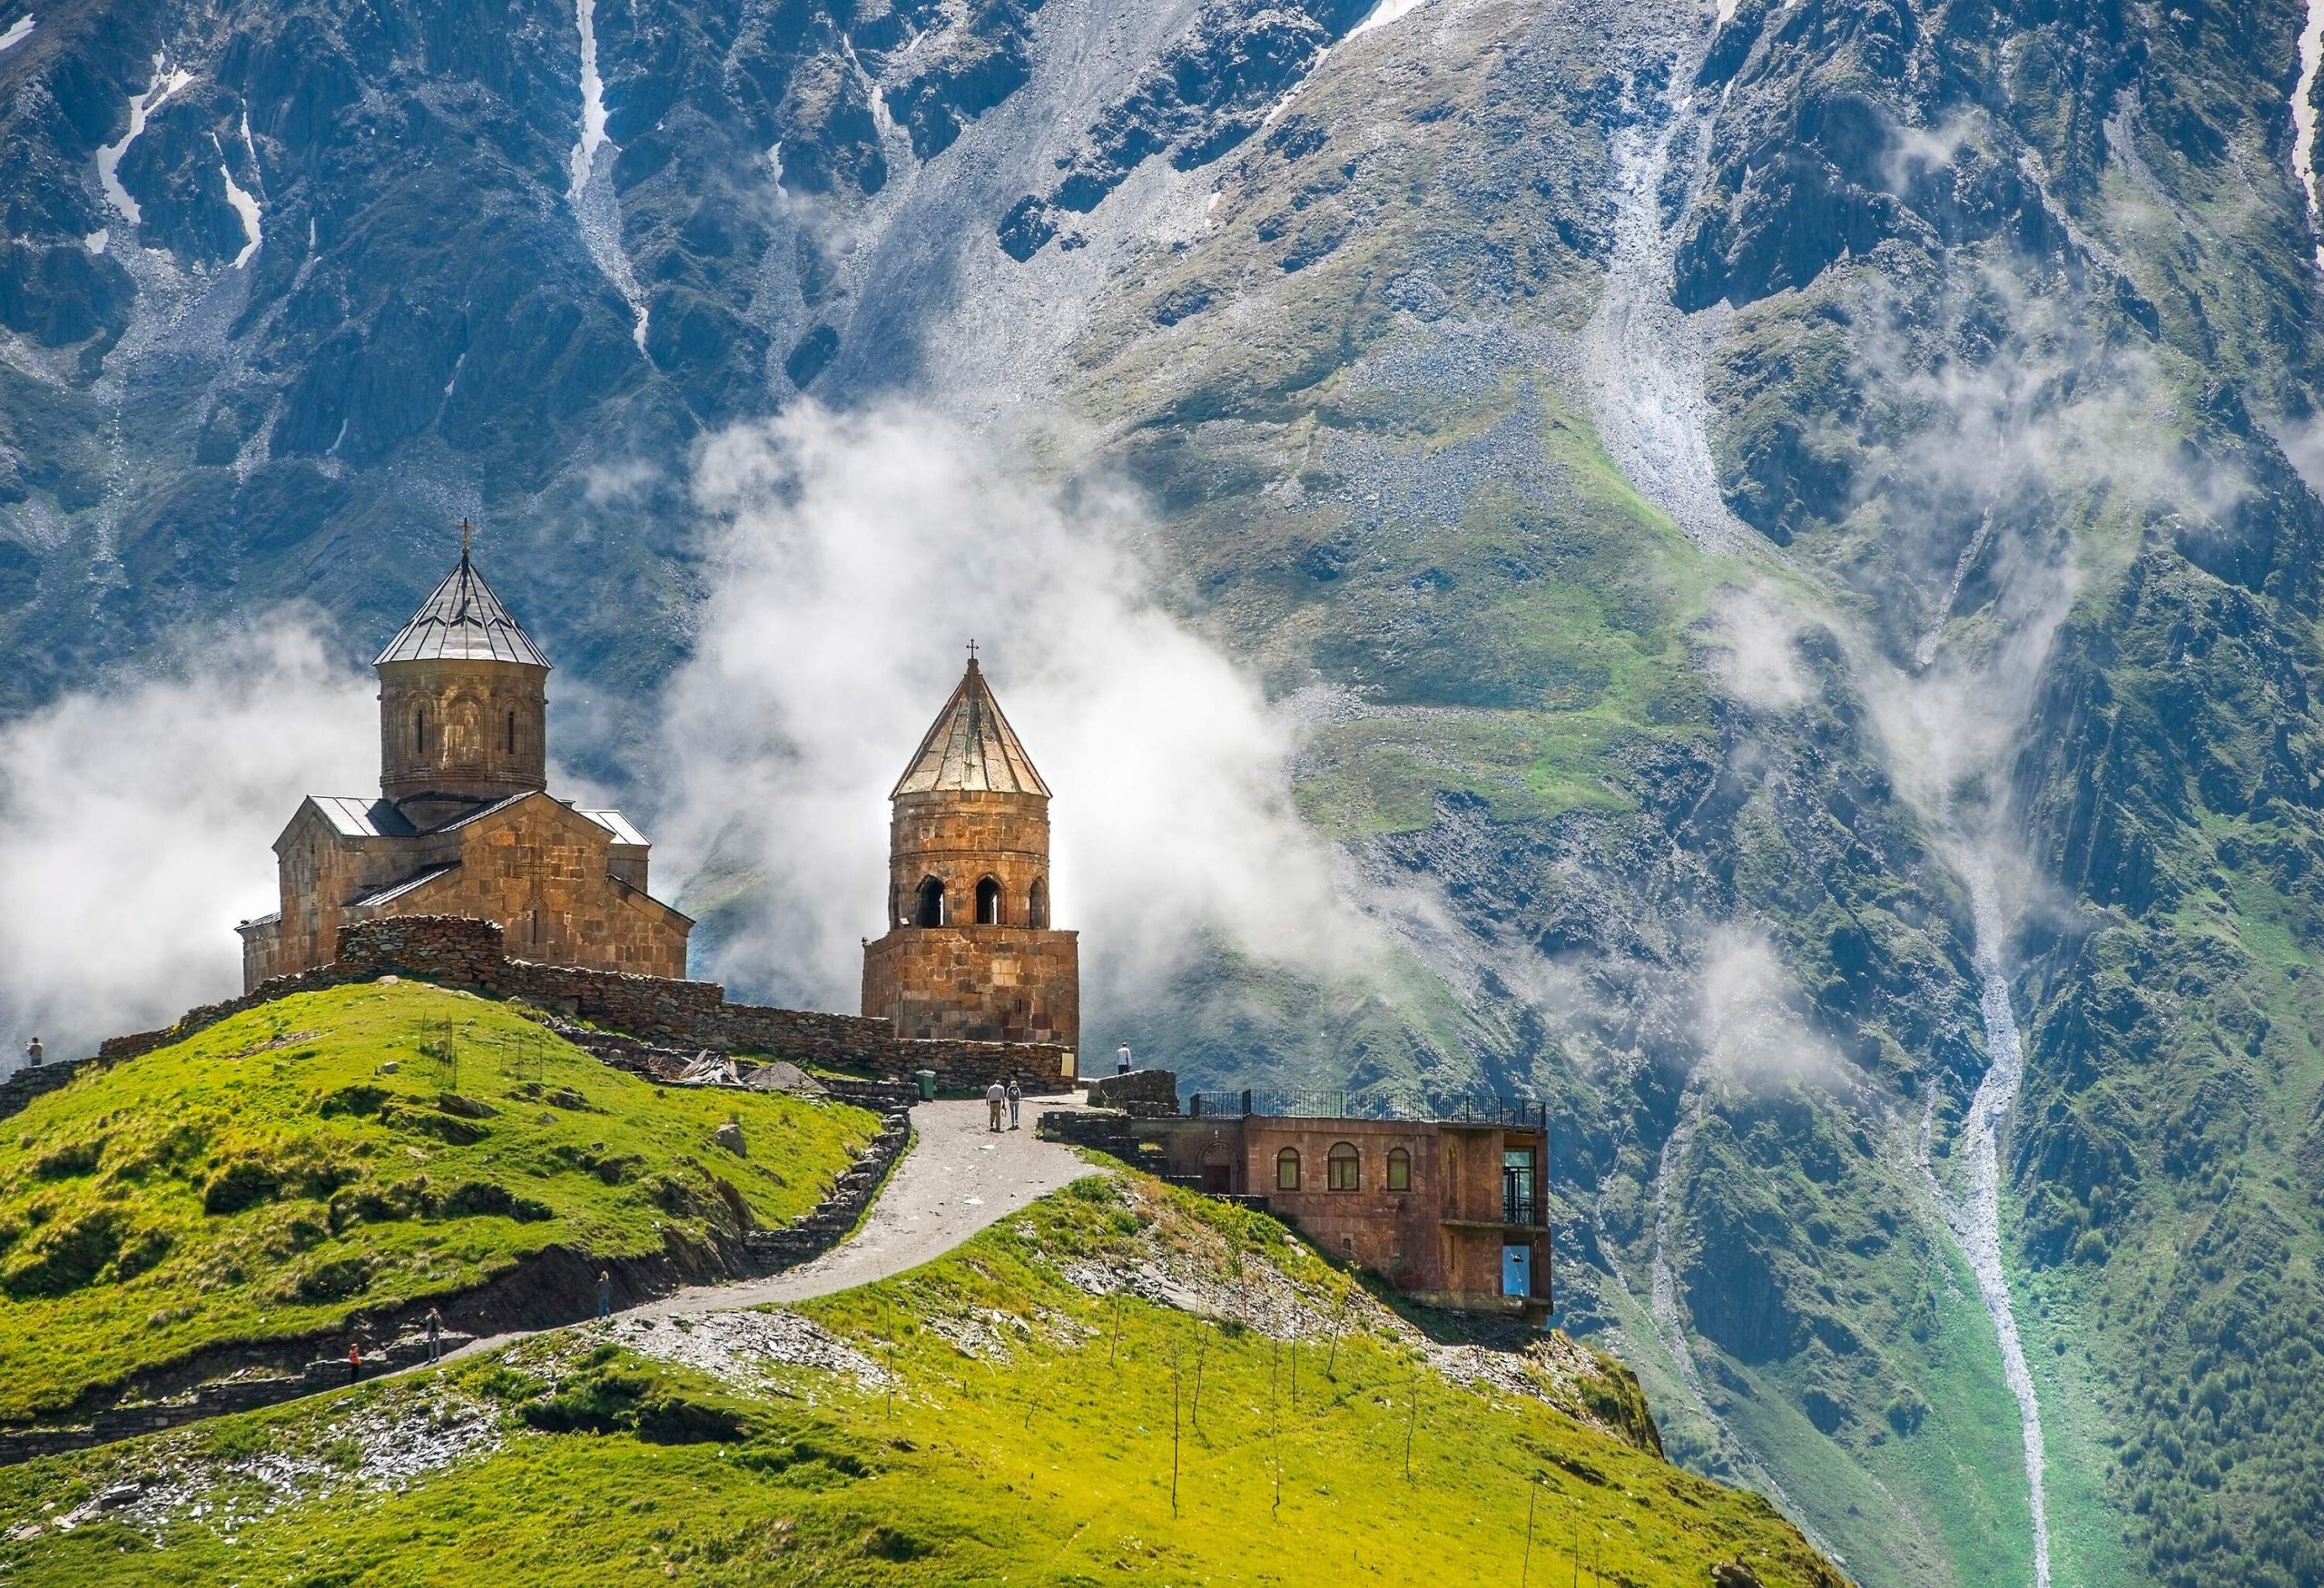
(1123, 1383)
(356, 1149)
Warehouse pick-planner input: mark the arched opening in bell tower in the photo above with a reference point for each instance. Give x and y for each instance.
(929, 910)
(988, 903)
(1037, 905)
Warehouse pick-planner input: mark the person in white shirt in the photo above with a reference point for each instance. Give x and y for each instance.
(996, 1098)
(1121, 1061)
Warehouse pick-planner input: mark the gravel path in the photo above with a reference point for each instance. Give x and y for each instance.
(958, 1179)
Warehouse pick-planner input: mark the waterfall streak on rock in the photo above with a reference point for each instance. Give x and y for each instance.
(1926, 652)
(1976, 1221)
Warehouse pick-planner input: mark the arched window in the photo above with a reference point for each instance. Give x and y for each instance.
(419, 727)
(1400, 1169)
(988, 903)
(512, 733)
(1037, 905)
(1287, 1170)
(1347, 1169)
(932, 904)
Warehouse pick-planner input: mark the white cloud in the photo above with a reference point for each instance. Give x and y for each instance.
(1750, 1025)
(1753, 652)
(854, 557)
(135, 826)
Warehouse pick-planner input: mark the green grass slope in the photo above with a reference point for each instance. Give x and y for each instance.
(1020, 1411)
(324, 1154)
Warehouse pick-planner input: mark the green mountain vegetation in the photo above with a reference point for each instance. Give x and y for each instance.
(1125, 1382)
(353, 1151)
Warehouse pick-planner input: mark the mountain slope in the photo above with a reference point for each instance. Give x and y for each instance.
(1784, 531)
(1026, 1409)
(343, 1154)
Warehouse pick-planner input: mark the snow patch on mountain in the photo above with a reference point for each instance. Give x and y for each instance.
(19, 31)
(2303, 118)
(1386, 12)
(164, 83)
(591, 194)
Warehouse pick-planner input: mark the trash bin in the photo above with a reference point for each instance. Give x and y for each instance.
(927, 1078)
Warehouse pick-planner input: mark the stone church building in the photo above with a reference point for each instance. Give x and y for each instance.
(970, 953)
(464, 825)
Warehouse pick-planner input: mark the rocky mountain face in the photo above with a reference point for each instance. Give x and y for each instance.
(1784, 522)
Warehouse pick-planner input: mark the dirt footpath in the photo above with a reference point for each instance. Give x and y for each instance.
(958, 1179)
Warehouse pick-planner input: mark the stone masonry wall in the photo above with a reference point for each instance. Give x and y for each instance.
(464, 952)
(984, 983)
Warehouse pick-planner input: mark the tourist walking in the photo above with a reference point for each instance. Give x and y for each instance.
(1121, 1061)
(996, 1098)
(354, 1360)
(605, 1294)
(1016, 1101)
(34, 1053)
(435, 1336)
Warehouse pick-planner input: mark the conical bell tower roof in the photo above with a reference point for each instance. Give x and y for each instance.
(971, 747)
(463, 621)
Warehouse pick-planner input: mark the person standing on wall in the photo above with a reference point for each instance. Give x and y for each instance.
(1016, 1101)
(996, 1098)
(34, 1055)
(1121, 1061)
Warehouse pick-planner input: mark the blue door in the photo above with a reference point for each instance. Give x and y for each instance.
(1516, 1270)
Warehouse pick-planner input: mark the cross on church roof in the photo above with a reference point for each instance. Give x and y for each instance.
(463, 620)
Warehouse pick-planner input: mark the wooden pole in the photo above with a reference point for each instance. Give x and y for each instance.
(1202, 1350)
(1525, 1572)
(1274, 1418)
(1173, 1439)
(1412, 1418)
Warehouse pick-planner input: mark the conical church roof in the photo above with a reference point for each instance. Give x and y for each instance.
(463, 621)
(971, 747)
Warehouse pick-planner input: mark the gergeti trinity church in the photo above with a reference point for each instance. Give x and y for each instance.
(464, 825)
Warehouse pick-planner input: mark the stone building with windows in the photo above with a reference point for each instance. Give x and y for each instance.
(464, 825)
(970, 953)
(1451, 1210)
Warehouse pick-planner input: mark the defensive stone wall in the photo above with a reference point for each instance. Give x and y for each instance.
(461, 951)
(33, 1080)
(1143, 1094)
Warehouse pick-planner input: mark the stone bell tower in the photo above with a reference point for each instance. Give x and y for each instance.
(463, 703)
(970, 952)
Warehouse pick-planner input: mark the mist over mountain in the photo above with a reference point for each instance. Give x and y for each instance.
(1757, 557)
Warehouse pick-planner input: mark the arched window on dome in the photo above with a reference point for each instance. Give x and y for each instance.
(1287, 1170)
(1345, 1167)
(930, 911)
(419, 728)
(1037, 905)
(512, 733)
(988, 903)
